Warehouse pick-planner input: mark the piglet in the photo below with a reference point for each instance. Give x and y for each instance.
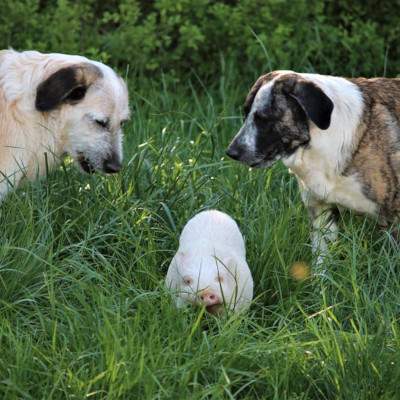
(210, 265)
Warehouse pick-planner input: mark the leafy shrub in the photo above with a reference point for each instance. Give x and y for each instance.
(177, 36)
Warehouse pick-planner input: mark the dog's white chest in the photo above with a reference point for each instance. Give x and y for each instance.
(317, 182)
(341, 190)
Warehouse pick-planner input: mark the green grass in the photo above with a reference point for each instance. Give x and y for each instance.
(83, 311)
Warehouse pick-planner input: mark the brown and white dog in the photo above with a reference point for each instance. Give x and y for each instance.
(56, 104)
(340, 137)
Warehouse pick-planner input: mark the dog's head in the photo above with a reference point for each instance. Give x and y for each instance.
(88, 104)
(278, 112)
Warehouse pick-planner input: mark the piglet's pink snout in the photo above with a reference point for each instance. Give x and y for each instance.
(209, 298)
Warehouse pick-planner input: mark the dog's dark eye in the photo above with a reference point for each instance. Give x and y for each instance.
(123, 122)
(102, 122)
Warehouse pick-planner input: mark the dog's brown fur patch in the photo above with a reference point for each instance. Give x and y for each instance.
(376, 159)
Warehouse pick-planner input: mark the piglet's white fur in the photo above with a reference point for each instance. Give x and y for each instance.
(210, 265)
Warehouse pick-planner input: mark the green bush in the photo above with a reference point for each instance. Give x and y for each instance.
(178, 36)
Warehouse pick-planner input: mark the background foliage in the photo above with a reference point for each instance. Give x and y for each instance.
(175, 36)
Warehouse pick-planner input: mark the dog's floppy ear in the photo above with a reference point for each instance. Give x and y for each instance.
(67, 85)
(315, 103)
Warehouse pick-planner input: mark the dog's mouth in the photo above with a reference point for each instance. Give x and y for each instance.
(85, 164)
(262, 164)
(257, 164)
(265, 162)
(255, 160)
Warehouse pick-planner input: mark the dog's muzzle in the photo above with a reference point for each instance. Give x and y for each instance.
(237, 152)
(234, 151)
(112, 164)
(85, 164)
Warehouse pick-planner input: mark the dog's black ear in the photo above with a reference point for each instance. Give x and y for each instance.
(67, 85)
(315, 103)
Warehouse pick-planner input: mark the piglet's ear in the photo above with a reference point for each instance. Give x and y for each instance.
(67, 85)
(315, 103)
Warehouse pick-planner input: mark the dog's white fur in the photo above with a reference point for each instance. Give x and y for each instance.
(211, 258)
(26, 133)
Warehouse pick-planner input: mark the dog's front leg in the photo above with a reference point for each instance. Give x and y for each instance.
(324, 231)
(324, 227)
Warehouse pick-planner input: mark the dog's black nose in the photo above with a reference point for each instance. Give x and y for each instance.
(112, 165)
(233, 152)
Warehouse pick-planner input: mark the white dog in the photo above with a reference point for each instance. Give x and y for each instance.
(210, 266)
(56, 104)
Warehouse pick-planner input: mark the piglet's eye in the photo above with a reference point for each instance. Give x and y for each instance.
(187, 280)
